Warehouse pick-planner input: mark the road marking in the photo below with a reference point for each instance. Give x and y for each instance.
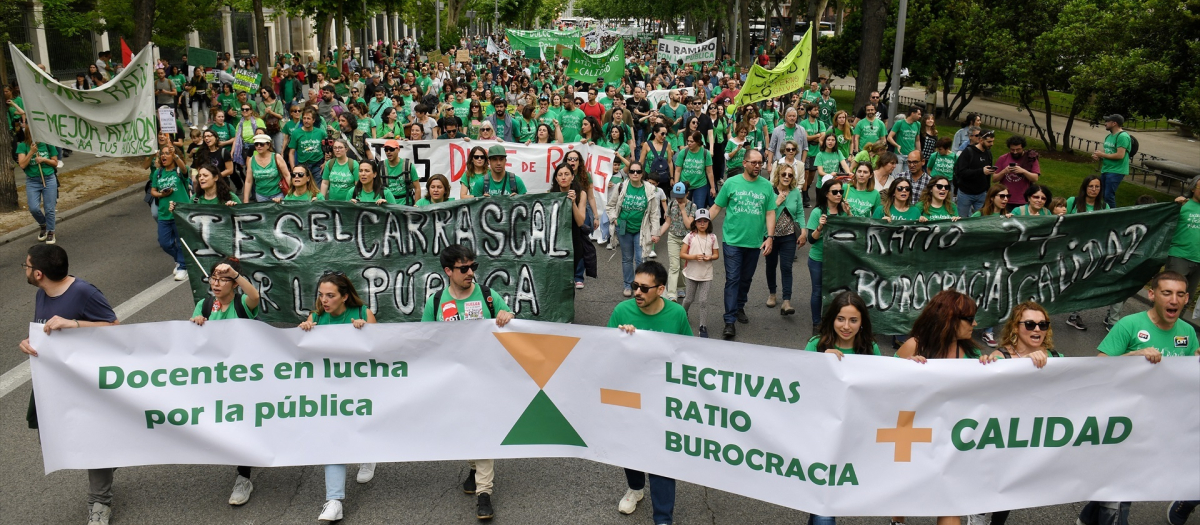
(19, 374)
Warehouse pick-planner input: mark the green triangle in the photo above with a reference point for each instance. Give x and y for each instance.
(543, 424)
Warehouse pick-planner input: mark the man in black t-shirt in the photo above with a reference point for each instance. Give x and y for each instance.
(63, 302)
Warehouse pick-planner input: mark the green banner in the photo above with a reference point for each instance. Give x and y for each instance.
(390, 252)
(198, 56)
(609, 65)
(1066, 264)
(246, 80)
(788, 76)
(541, 38)
(687, 39)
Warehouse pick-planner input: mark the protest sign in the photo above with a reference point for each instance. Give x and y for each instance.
(534, 163)
(1068, 263)
(210, 77)
(114, 120)
(462, 56)
(659, 96)
(849, 437)
(609, 65)
(198, 56)
(166, 120)
(705, 51)
(390, 252)
(788, 76)
(246, 80)
(686, 39)
(541, 38)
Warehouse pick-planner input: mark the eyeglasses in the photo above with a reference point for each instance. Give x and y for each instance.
(642, 287)
(835, 192)
(975, 136)
(332, 272)
(389, 149)
(942, 186)
(1037, 197)
(1040, 325)
(221, 280)
(789, 150)
(786, 175)
(23, 265)
(245, 109)
(1002, 196)
(967, 318)
(464, 268)
(636, 171)
(902, 189)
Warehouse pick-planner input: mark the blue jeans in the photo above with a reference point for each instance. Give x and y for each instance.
(968, 204)
(258, 197)
(1108, 187)
(42, 199)
(631, 255)
(814, 302)
(314, 168)
(814, 519)
(739, 273)
(335, 482)
(662, 493)
(783, 254)
(1105, 513)
(603, 227)
(579, 271)
(700, 196)
(168, 239)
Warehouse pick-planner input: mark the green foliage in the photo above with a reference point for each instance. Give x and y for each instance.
(172, 21)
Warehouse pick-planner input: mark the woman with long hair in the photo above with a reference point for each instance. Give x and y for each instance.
(590, 130)
(935, 202)
(789, 219)
(524, 125)
(830, 201)
(898, 202)
(367, 189)
(390, 127)
(715, 126)
(338, 303)
(928, 135)
(169, 184)
(961, 139)
(1088, 198)
(694, 167)
(304, 188)
(475, 171)
(844, 134)
(584, 251)
(1036, 198)
(547, 134)
(575, 160)
(861, 193)
(210, 188)
(437, 190)
(656, 153)
(996, 202)
(475, 118)
(829, 161)
(340, 172)
(845, 328)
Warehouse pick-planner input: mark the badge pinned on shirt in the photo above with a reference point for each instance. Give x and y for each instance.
(1143, 336)
(1181, 341)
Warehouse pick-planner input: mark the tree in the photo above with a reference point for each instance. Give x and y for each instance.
(874, 14)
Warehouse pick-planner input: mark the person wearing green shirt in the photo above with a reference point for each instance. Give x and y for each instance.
(303, 187)
(570, 120)
(338, 303)
(830, 201)
(222, 129)
(815, 133)
(941, 162)
(934, 204)
(869, 129)
(674, 110)
(769, 117)
(845, 328)
(340, 173)
(16, 106)
(227, 99)
(305, 143)
(367, 189)
(811, 94)
(501, 181)
(829, 161)
(212, 189)
(1037, 197)
(903, 137)
(39, 161)
(168, 184)
(826, 106)
(401, 175)
(736, 147)
(464, 299)
(1114, 160)
(618, 141)
(1184, 255)
(748, 231)
(861, 195)
(693, 166)
(461, 104)
(898, 202)
(265, 170)
(1156, 332)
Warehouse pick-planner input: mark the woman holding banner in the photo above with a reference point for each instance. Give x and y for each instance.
(39, 162)
(209, 188)
(829, 202)
(581, 226)
(1036, 198)
(898, 202)
(340, 172)
(304, 189)
(437, 190)
(475, 171)
(935, 206)
(338, 303)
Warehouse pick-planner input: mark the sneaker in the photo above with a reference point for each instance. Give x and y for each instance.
(366, 472)
(99, 514)
(483, 507)
(629, 502)
(730, 331)
(578, 285)
(180, 274)
(989, 339)
(741, 316)
(332, 511)
(977, 519)
(1108, 326)
(704, 331)
(652, 255)
(42, 233)
(1076, 322)
(681, 295)
(50, 238)
(241, 491)
(60, 164)
(1178, 512)
(469, 483)
(610, 245)
(627, 293)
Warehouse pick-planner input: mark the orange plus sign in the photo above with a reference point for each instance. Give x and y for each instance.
(904, 435)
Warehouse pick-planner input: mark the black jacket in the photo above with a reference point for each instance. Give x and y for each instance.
(969, 177)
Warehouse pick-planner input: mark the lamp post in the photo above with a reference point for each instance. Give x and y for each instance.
(438, 20)
(897, 58)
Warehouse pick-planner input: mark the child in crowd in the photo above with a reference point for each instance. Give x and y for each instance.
(700, 248)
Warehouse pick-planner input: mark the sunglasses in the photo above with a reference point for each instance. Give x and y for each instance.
(1037, 197)
(390, 149)
(464, 268)
(835, 192)
(968, 318)
(332, 272)
(789, 150)
(636, 171)
(786, 175)
(1002, 196)
(1040, 325)
(942, 186)
(245, 109)
(642, 287)
(902, 189)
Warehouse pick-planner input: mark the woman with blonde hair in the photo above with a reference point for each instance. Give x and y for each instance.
(789, 223)
(844, 133)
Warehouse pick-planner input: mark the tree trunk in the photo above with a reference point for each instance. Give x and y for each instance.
(8, 168)
(264, 49)
(840, 6)
(1076, 107)
(143, 24)
(322, 35)
(816, 8)
(874, 13)
(744, 52)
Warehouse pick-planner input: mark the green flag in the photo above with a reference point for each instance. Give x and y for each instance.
(1066, 264)
(788, 76)
(609, 65)
(198, 56)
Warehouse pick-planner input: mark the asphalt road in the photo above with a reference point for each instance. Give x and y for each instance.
(114, 247)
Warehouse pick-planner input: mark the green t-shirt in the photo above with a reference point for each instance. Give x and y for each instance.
(942, 165)
(426, 202)
(303, 198)
(816, 250)
(1111, 143)
(674, 114)
(911, 214)
(826, 108)
(398, 183)
(633, 209)
(169, 179)
(746, 205)
(1088, 207)
(372, 196)
(35, 170)
(862, 203)
(1186, 242)
(1136, 332)
(179, 80)
(769, 118)
(341, 178)
(622, 150)
(225, 311)
(227, 101)
(810, 95)
(12, 111)
(201, 200)
(571, 122)
(739, 153)
(813, 129)
(906, 135)
(830, 161)
(812, 347)
(307, 145)
(869, 131)
(346, 317)
(1024, 210)
(266, 178)
(937, 214)
(672, 319)
(462, 109)
(843, 143)
(694, 166)
(489, 186)
(223, 132)
(473, 307)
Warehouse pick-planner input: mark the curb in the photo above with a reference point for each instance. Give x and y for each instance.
(71, 213)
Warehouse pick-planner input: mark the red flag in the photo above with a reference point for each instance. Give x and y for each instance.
(126, 54)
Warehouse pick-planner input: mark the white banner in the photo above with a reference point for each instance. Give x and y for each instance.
(533, 163)
(116, 119)
(705, 51)
(659, 96)
(865, 436)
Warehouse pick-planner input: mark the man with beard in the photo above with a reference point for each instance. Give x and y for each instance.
(1017, 169)
(973, 173)
(746, 233)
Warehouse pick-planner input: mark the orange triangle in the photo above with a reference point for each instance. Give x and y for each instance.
(539, 354)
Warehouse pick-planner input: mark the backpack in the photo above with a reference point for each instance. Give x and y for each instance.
(658, 164)
(238, 309)
(381, 167)
(1133, 145)
(483, 289)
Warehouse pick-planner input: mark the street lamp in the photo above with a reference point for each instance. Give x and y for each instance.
(897, 58)
(438, 20)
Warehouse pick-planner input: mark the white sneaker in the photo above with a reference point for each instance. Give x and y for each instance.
(99, 514)
(180, 274)
(977, 519)
(652, 255)
(629, 502)
(332, 511)
(241, 491)
(366, 472)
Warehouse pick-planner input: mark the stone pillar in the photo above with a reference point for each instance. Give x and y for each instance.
(374, 32)
(40, 53)
(384, 22)
(227, 29)
(193, 39)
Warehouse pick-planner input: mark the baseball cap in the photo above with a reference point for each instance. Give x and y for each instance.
(497, 151)
(679, 190)
(261, 139)
(391, 143)
(1115, 118)
(702, 213)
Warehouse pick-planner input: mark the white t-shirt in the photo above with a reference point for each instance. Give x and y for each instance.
(699, 270)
